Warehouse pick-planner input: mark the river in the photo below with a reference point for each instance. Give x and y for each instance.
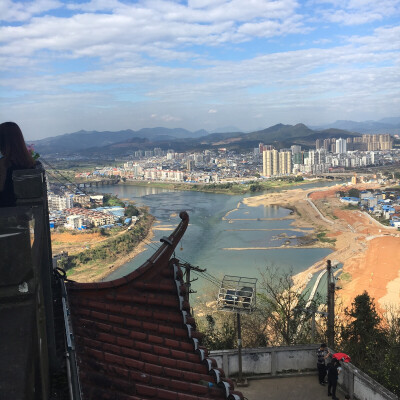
(210, 239)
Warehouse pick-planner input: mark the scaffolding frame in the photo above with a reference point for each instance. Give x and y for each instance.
(237, 294)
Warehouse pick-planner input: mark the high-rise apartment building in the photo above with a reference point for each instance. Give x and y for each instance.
(298, 158)
(285, 162)
(327, 144)
(341, 146)
(377, 142)
(311, 158)
(262, 147)
(270, 162)
(295, 149)
(320, 156)
(277, 163)
(190, 165)
(319, 143)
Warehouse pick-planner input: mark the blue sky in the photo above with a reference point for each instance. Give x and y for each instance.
(197, 64)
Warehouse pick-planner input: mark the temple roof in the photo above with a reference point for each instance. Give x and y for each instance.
(135, 337)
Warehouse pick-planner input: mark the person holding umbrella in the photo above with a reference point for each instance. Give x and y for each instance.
(322, 355)
(342, 357)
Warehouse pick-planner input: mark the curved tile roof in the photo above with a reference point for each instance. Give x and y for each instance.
(135, 337)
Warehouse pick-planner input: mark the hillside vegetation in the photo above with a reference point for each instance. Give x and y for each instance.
(108, 251)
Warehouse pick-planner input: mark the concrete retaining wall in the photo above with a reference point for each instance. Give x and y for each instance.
(278, 361)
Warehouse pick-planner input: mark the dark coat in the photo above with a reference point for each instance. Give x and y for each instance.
(333, 372)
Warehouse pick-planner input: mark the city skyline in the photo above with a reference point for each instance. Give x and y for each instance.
(200, 64)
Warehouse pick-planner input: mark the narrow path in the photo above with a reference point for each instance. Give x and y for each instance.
(315, 288)
(317, 210)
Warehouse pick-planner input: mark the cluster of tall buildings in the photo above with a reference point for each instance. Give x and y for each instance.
(329, 153)
(376, 142)
(277, 162)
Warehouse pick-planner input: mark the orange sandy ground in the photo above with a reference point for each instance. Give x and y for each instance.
(74, 243)
(369, 251)
(375, 267)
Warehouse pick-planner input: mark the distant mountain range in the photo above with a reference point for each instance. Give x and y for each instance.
(385, 125)
(120, 143)
(77, 141)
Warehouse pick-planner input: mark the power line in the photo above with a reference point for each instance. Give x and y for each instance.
(201, 273)
(63, 176)
(54, 177)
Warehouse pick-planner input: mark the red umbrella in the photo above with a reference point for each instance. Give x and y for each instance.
(342, 357)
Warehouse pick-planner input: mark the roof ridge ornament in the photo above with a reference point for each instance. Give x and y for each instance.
(164, 239)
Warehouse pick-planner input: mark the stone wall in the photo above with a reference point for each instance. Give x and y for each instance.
(278, 361)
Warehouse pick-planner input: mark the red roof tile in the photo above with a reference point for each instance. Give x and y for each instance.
(136, 340)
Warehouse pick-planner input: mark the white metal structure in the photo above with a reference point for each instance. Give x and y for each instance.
(237, 294)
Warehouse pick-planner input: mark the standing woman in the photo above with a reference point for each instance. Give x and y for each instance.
(15, 155)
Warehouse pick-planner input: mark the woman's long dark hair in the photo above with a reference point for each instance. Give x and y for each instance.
(13, 147)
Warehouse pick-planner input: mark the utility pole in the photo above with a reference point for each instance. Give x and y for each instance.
(239, 341)
(188, 283)
(331, 306)
(313, 324)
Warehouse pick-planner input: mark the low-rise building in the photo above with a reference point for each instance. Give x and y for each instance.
(74, 222)
(97, 199)
(95, 218)
(59, 202)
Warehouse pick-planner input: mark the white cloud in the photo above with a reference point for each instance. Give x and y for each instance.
(162, 62)
(97, 5)
(170, 118)
(273, 28)
(356, 12)
(153, 27)
(22, 11)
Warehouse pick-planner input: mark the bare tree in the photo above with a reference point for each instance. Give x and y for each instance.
(283, 306)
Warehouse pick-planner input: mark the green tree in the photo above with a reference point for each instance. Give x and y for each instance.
(131, 210)
(112, 200)
(103, 232)
(373, 341)
(362, 335)
(390, 370)
(255, 187)
(353, 192)
(221, 337)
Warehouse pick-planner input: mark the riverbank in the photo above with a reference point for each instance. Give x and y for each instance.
(369, 252)
(231, 188)
(99, 256)
(96, 274)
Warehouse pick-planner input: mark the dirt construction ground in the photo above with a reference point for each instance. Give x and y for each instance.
(369, 251)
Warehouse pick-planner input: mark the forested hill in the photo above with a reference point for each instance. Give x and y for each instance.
(120, 143)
